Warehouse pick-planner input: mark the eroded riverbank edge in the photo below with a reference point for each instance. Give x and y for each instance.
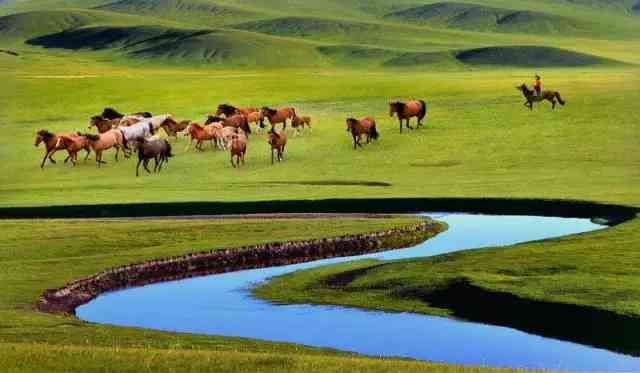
(81, 291)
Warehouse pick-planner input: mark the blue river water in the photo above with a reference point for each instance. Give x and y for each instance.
(222, 305)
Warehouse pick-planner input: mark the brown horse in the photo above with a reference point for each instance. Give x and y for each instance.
(103, 124)
(159, 150)
(199, 133)
(105, 141)
(74, 144)
(298, 122)
(407, 110)
(278, 141)
(276, 116)
(229, 110)
(531, 97)
(236, 120)
(238, 148)
(51, 143)
(255, 117)
(362, 126)
(171, 127)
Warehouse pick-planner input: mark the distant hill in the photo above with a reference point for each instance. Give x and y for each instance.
(191, 46)
(484, 18)
(31, 24)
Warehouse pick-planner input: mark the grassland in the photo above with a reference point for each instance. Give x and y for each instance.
(186, 56)
(40, 254)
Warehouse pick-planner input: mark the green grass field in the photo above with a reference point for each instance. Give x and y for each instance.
(329, 59)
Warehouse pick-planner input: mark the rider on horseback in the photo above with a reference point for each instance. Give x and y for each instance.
(537, 85)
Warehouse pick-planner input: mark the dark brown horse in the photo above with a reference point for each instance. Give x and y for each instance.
(531, 97)
(276, 116)
(407, 110)
(236, 120)
(111, 113)
(103, 124)
(229, 110)
(278, 141)
(158, 150)
(363, 126)
(171, 127)
(52, 144)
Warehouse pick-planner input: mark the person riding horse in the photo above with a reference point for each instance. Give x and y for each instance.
(537, 85)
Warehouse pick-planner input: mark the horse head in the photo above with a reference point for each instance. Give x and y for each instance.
(111, 113)
(395, 107)
(42, 135)
(351, 122)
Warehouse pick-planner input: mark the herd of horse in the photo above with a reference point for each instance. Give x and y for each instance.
(228, 129)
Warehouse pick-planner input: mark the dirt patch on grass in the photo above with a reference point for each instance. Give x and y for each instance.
(435, 164)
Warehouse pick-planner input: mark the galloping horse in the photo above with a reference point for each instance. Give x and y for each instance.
(236, 120)
(52, 144)
(276, 116)
(531, 97)
(103, 124)
(171, 127)
(298, 122)
(407, 110)
(362, 126)
(278, 141)
(197, 132)
(143, 129)
(104, 141)
(229, 110)
(74, 144)
(158, 150)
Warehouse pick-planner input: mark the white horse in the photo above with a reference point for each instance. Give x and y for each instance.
(139, 130)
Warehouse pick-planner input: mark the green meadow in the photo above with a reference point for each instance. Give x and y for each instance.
(63, 61)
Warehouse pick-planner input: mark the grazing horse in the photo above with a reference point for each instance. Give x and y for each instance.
(104, 141)
(74, 144)
(197, 132)
(531, 97)
(276, 116)
(158, 150)
(229, 110)
(362, 126)
(111, 113)
(237, 121)
(298, 122)
(407, 110)
(278, 141)
(103, 124)
(171, 127)
(238, 148)
(51, 143)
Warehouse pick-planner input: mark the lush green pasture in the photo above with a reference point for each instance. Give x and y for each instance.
(40, 254)
(478, 139)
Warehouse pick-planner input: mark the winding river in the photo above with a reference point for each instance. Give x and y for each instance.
(222, 305)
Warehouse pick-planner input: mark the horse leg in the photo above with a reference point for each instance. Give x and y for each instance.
(355, 142)
(400, 120)
(272, 155)
(553, 103)
(51, 156)
(138, 167)
(88, 150)
(155, 164)
(44, 160)
(408, 126)
(232, 164)
(98, 157)
(145, 164)
(282, 152)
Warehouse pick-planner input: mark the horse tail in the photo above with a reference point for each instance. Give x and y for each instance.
(560, 100)
(168, 153)
(151, 129)
(374, 132)
(293, 111)
(423, 110)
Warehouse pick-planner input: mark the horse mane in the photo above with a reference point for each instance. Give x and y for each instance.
(352, 120)
(111, 113)
(398, 105)
(212, 119)
(269, 110)
(91, 136)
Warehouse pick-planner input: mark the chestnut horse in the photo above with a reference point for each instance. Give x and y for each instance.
(531, 97)
(74, 144)
(51, 143)
(255, 117)
(236, 120)
(105, 141)
(171, 127)
(362, 126)
(407, 110)
(238, 148)
(276, 116)
(298, 122)
(278, 141)
(103, 124)
(199, 133)
(229, 110)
